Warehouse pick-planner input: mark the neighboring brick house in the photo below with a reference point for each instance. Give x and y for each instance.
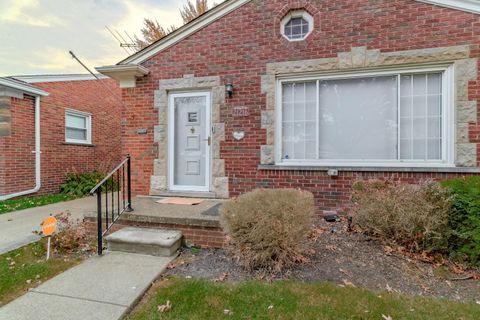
(305, 94)
(80, 131)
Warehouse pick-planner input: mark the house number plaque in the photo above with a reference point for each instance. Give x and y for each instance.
(241, 111)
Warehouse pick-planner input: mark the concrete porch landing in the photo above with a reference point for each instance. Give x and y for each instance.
(146, 210)
(200, 224)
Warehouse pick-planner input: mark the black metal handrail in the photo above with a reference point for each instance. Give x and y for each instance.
(115, 183)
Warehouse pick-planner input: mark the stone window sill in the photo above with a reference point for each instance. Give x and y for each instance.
(371, 169)
(88, 145)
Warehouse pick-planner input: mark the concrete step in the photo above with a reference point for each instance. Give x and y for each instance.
(154, 242)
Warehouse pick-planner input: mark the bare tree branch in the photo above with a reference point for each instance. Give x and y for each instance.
(153, 31)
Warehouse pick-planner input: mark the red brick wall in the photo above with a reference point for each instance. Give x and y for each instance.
(238, 46)
(59, 158)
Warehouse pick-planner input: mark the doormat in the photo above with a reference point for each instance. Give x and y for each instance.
(184, 201)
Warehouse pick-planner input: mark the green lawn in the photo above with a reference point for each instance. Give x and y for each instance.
(25, 203)
(195, 299)
(26, 268)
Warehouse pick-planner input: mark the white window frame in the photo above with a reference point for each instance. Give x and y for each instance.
(88, 120)
(297, 14)
(448, 118)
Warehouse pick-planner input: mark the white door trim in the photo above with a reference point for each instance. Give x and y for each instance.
(171, 141)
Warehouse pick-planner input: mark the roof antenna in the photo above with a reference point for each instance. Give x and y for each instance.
(124, 43)
(96, 77)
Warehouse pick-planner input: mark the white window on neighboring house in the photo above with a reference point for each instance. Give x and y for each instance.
(78, 127)
(389, 118)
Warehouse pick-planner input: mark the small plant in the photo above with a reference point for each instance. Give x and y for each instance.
(80, 184)
(465, 219)
(412, 216)
(268, 228)
(72, 236)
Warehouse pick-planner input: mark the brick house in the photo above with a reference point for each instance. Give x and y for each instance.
(77, 130)
(305, 94)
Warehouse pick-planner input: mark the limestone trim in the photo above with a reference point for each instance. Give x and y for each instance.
(361, 59)
(219, 180)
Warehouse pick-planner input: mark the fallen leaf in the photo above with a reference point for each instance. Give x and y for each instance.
(389, 289)
(348, 283)
(270, 307)
(316, 233)
(222, 278)
(426, 288)
(386, 317)
(388, 250)
(345, 272)
(29, 281)
(165, 307)
(227, 312)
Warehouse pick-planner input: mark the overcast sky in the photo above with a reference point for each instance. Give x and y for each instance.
(35, 35)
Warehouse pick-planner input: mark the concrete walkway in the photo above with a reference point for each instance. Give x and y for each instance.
(100, 288)
(16, 227)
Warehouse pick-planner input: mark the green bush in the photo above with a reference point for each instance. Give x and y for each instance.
(412, 216)
(80, 184)
(268, 228)
(465, 219)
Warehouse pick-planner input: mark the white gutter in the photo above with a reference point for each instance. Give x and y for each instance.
(38, 180)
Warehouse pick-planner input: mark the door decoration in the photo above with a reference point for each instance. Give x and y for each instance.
(239, 135)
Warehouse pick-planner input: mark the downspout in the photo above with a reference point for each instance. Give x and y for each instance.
(38, 181)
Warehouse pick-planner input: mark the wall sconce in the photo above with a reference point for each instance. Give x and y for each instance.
(229, 88)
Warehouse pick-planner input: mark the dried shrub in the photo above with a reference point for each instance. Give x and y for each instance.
(72, 236)
(268, 228)
(412, 216)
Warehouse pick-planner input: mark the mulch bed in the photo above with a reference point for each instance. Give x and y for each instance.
(345, 258)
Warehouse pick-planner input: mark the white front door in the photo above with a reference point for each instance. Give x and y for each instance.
(189, 141)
